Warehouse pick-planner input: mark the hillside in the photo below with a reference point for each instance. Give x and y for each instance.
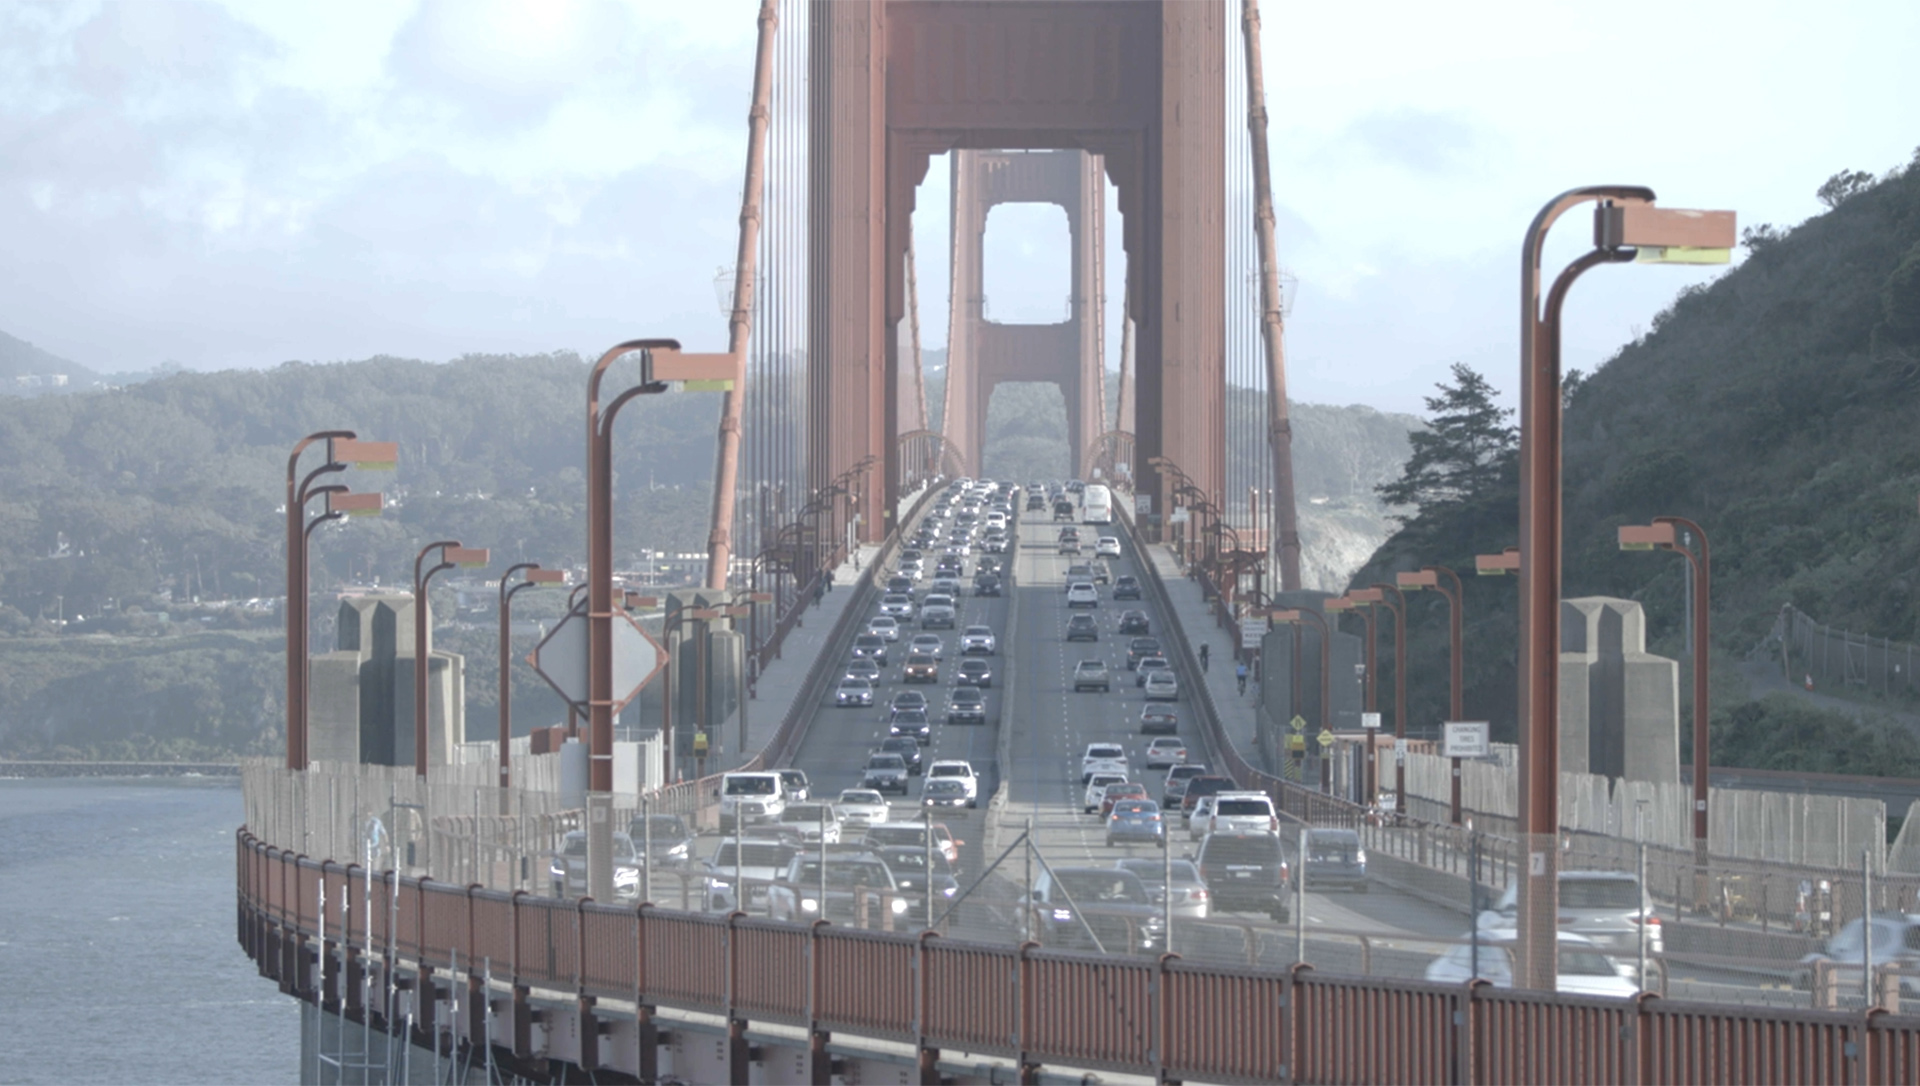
(26, 370)
(1774, 407)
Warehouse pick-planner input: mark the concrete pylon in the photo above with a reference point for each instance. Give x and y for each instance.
(981, 353)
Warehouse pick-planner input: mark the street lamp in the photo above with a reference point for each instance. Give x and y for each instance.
(451, 554)
(1429, 577)
(1660, 535)
(343, 451)
(1626, 227)
(1294, 616)
(1397, 603)
(535, 576)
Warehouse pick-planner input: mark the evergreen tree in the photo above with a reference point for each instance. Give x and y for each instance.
(1469, 442)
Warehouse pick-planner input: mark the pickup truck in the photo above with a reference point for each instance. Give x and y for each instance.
(860, 892)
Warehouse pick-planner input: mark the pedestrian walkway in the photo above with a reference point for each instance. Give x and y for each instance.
(1238, 714)
(784, 676)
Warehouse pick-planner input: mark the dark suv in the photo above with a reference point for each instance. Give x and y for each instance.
(1081, 628)
(1246, 873)
(1126, 587)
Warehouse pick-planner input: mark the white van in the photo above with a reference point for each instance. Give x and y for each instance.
(746, 798)
(1096, 505)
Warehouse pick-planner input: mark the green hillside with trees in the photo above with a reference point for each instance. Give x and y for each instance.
(1775, 407)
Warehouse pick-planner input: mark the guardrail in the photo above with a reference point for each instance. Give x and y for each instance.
(1154, 1016)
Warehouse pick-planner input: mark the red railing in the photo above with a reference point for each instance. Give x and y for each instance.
(1160, 1017)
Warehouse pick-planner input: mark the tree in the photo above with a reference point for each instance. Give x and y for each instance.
(1468, 441)
(1843, 186)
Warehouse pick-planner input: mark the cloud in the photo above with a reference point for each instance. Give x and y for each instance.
(1419, 141)
(509, 63)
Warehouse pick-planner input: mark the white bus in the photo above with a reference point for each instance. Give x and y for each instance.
(1096, 505)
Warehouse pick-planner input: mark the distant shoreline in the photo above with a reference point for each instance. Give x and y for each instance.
(26, 770)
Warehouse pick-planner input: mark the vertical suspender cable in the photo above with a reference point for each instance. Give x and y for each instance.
(1280, 435)
(727, 466)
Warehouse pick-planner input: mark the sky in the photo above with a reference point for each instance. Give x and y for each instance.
(238, 184)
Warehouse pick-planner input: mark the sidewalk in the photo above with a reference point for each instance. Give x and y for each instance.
(1239, 714)
(781, 682)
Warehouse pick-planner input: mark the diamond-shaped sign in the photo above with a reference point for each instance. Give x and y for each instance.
(561, 658)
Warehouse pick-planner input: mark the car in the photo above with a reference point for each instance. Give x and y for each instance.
(1163, 752)
(885, 773)
(1140, 648)
(937, 616)
(957, 546)
(986, 584)
(956, 769)
(1126, 587)
(914, 835)
(1063, 510)
(1335, 858)
(864, 668)
(1242, 812)
(853, 692)
(870, 647)
(1096, 908)
(978, 640)
(913, 570)
(946, 585)
(897, 604)
(857, 886)
(1091, 675)
(794, 781)
(900, 585)
(944, 793)
(1584, 969)
(994, 566)
(928, 644)
(907, 748)
(751, 864)
(1069, 544)
(1246, 873)
(1162, 686)
(965, 705)
(905, 700)
(665, 837)
(746, 798)
(1082, 628)
(861, 808)
(1096, 785)
(1210, 785)
(1159, 720)
(1896, 944)
(974, 672)
(921, 668)
(1174, 788)
(1197, 823)
(1133, 622)
(1135, 819)
(1147, 666)
(568, 868)
(1607, 907)
(1098, 753)
(1083, 594)
(1117, 792)
(994, 544)
(1107, 546)
(1101, 573)
(911, 724)
(1036, 503)
(813, 822)
(1077, 572)
(909, 867)
(1189, 898)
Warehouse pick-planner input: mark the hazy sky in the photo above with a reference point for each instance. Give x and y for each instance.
(238, 184)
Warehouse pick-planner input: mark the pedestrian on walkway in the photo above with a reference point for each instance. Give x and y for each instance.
(1240, 673)
(829, 580)
(819, 590)
(1205, 650)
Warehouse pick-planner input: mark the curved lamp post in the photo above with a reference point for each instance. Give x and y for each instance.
(535, 576)
(1296, 615)
(343, 450)
(451, 554)
(1430, 577)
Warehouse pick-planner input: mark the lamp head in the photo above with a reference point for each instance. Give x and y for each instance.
(546, 576)
(354, 505)
(1646, 537)
(371, 455)
(466, 557)
(1497, 565)
(1414, 581)
(1367, 595)
(1289, 616)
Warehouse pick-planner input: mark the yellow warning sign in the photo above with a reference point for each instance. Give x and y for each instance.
(1326, 738)
(1296, 742)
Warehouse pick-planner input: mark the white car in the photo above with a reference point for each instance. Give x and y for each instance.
(884, 626)
(1202, 814)
(897, 604)
(1584, 968)
(1097, 789)
(961, 771)
(928, 645)
(1164, 751)
(1107, 546)
(949, 586)
(1083, 594)
(1162, 686)
(977, 640)
(1101, 753)
(863, 807)
(812, 822)
(853, 693)
(1241, 812)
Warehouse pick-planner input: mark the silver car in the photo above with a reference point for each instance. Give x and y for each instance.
(853, 693)
(1162, 686)
(977, 639)
(1190, 897)
(1608, 907)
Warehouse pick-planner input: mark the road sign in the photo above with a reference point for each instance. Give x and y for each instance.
(1465, 739)
(1296, 742)
(1370, 721)
(1326, 738)
(1251, 631)
(561, 658)
(1180, 515)
(1143, 505)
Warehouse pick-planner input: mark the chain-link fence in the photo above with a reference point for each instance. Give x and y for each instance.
(1823, 657)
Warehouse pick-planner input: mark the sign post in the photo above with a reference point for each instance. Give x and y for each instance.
(1326, 760)
(1371, 722)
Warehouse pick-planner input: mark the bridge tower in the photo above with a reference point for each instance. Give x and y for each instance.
(982, 353)
(1140, 86)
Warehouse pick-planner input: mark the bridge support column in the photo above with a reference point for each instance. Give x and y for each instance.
(819, 1063)
(522, 1022)
(589, 1035)
(1029, 1074)
(478, 1005)
(649, 1032)
(425, 999)
(929, 1066)
(356, 982)
(739, 1051)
